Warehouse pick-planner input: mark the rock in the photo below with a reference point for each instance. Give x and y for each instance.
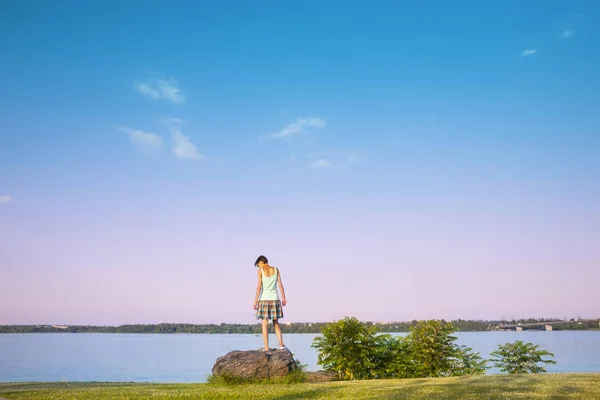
(255, 364)
(320, 376)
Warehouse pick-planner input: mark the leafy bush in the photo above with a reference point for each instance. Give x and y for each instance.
(355, 351)
(431, 352)
(350, 349)
(389, 357)
(520, 358)
(467, 362)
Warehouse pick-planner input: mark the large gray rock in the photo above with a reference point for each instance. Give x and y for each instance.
(255, 364)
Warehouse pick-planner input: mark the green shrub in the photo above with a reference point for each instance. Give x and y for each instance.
(431, 352)
(467, 362)
(355, 351)
(520, 358)
(351, 349)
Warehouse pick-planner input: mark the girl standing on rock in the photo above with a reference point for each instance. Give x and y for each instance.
(266, 302)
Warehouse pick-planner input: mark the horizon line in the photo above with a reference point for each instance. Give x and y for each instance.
(582, 319)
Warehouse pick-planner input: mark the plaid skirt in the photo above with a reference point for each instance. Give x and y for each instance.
(269, 309)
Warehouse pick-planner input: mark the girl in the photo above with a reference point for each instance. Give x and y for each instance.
(266, 301)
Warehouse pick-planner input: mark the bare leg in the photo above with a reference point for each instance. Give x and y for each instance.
(278, 332)
(265, 333)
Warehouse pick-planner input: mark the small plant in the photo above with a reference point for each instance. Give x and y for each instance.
(520, 358)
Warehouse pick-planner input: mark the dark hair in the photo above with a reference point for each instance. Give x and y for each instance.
(261, 258)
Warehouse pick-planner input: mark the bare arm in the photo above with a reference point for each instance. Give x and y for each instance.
(280, 283)
(258, 288)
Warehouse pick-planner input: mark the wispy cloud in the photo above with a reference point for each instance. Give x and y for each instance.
(324, 163)
(162, 89)
(183, 147)
(171, 91)
(302, 125)
(144, 141)
(147, 90)
(5, 199)
(567, 34)
(528, 52)
(335, 159)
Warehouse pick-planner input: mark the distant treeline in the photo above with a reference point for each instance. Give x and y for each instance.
(296, 327)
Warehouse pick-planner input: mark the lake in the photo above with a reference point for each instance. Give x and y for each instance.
(116, 357)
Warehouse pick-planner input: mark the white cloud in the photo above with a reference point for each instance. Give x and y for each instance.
(344, 155)
(144, 141)
(323, 163)
(170, 91)
(300, 126)
(567, 34)
(183, 147)
(335, 159)
(5, 199)
(528, 52)
(147, 90)
(165, 89)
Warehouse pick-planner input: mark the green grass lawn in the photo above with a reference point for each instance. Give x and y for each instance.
(542, 386)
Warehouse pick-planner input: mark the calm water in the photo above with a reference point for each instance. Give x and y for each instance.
(190, 357)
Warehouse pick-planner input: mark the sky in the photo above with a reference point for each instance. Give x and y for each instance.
(396, 160)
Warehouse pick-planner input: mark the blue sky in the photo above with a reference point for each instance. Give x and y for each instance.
(418, 154)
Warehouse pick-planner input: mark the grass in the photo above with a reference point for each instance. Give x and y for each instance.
(539, 386)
